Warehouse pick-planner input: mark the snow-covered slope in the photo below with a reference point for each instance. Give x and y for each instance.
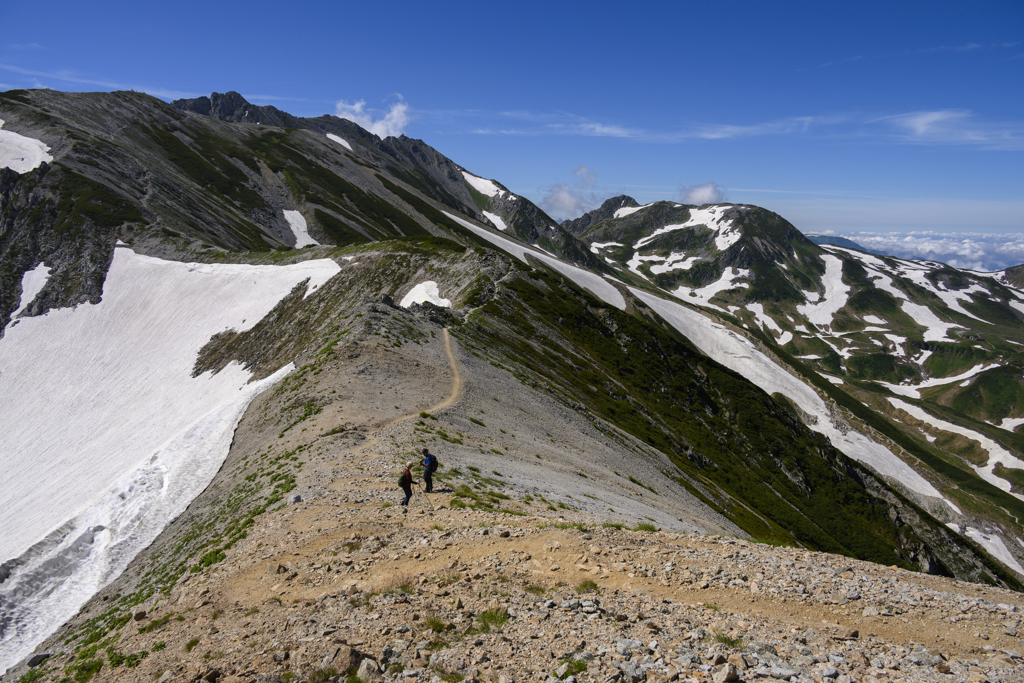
(106, 434)
(20, 153)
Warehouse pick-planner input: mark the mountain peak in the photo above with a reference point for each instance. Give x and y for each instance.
(607, 210)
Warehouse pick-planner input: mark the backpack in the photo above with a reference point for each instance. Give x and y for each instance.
(432, 463)
(402, 483)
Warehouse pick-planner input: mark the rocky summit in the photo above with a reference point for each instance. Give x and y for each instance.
(676, 442)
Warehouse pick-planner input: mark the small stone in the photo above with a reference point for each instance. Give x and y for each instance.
(726, 673)
(368, 671)
(139, 615)
(167, 676)
(828, 672)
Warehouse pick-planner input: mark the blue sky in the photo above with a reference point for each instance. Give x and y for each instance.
(840, 116)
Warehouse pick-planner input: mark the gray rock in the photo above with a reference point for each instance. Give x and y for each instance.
(37, 659)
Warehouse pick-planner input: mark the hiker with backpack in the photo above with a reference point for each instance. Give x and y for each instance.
(405, 482)
(430, 466)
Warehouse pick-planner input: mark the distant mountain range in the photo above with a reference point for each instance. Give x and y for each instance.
(838, 241)
(804, 389)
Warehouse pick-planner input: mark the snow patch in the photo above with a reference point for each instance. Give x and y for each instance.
(597, 246)
(836, 294)
(109, 438)
(914, 390)
(725, 233)
(1011, 423)
(996, 453)
(21, 154)
(484, 187)
(628, 211)
(496, 220)
(675, 262)
(298, 225)
(995, 547)
(702, 296)
(425, 291)
(597, 285)
(341, 141)
(936, 329)
(875, 320)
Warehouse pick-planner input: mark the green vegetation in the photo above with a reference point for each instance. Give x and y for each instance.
(496, 617)
(572, 667)
(191, 644)
(727, 640)
(587, 586)
(645, 526)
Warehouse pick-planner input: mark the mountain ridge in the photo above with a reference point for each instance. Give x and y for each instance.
(672, 330)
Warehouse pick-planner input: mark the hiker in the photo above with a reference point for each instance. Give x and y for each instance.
(429, 467)
(406, 483)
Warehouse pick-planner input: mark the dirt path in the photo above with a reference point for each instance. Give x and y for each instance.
(374, 439)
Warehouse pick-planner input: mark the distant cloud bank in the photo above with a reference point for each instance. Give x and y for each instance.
(973, 251)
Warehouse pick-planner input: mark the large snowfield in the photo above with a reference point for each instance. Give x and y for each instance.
(106, 435)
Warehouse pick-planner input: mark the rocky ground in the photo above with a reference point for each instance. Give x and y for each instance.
(439, 594)
(565, 577)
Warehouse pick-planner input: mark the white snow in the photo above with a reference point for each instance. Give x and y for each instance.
(738, 353)
(1011, 423)
(897, 342)
(922, 315)
(996, 453)
(597, 246)
(425, 291)
(875, 320)
(995, 547)
(341, 141)
(104, 425)
(763, 319)
(298, 225)
(634, 263)
(836, 294)
(32, 283)
(702, 296)
(484, 187)
(914, 390)
(595, 284)
(830, 378)
(675, 262)
(725, 234)
(21, 154)
(628, 210)
(496, 220)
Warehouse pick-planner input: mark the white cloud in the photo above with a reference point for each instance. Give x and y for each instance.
(954, 127)
(563, 200)
(708, 193)
(391, 124)
(973, 251)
